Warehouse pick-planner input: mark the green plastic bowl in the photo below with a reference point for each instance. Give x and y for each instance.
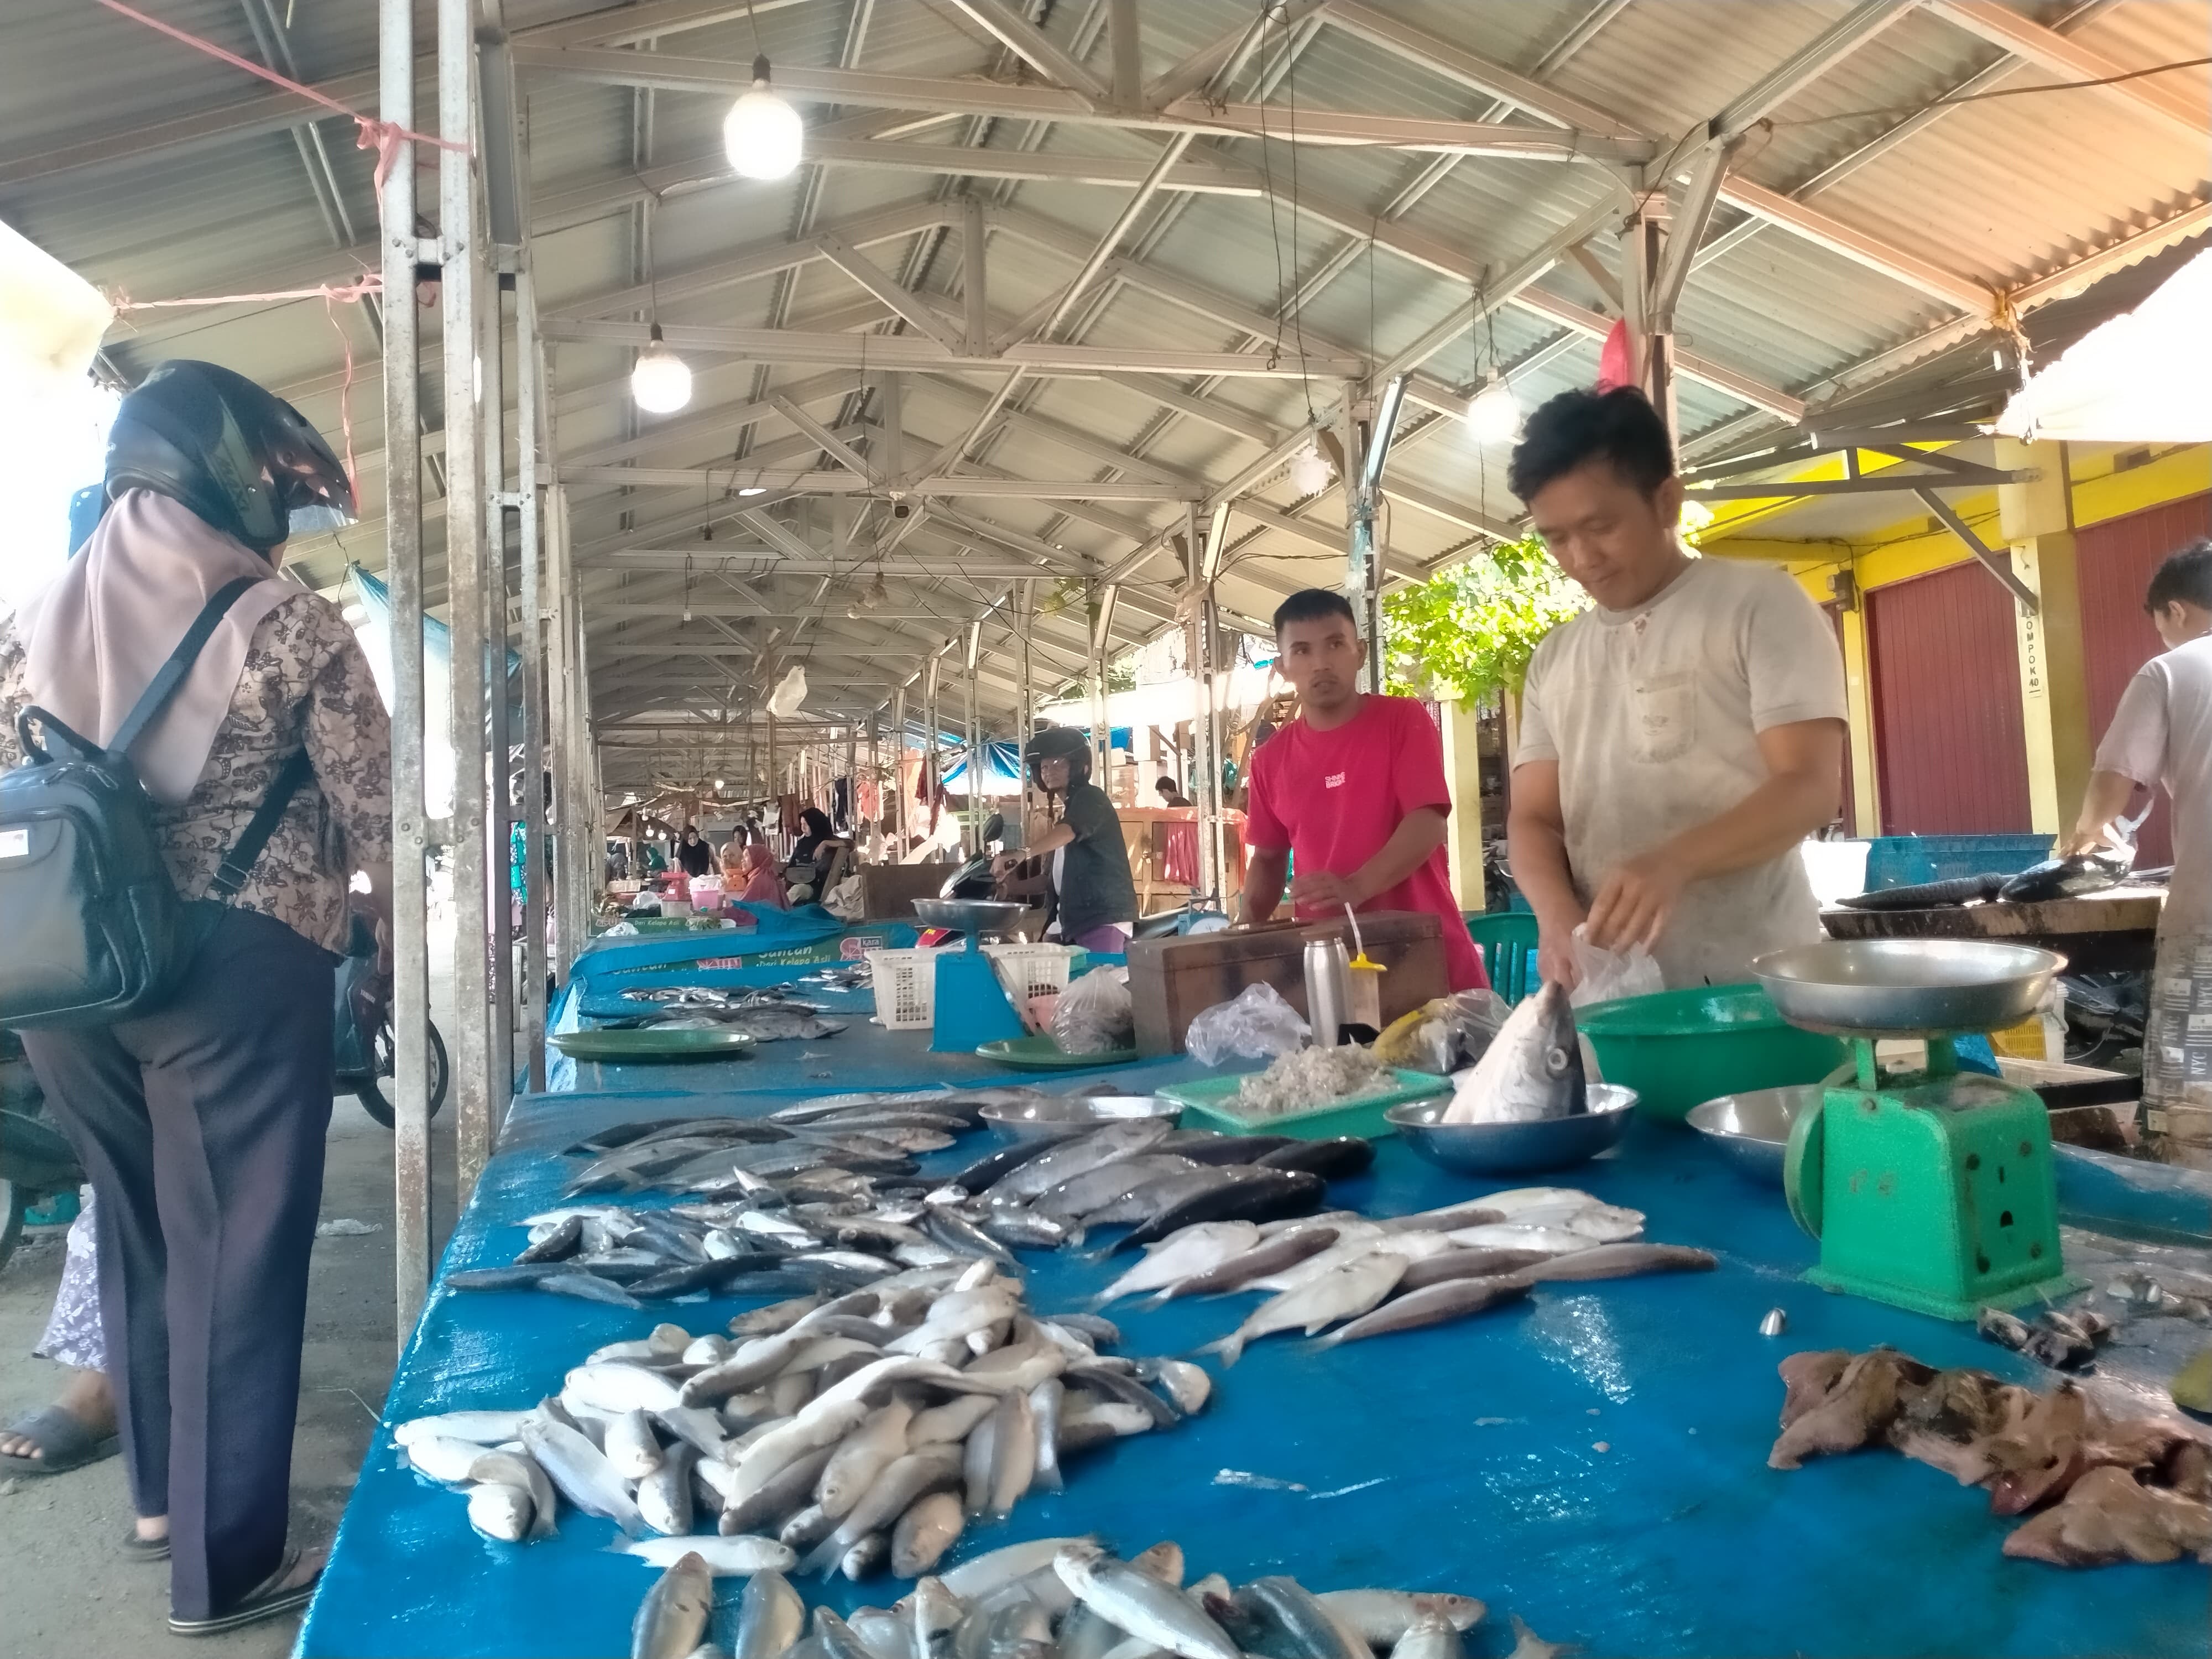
(1679, 1048)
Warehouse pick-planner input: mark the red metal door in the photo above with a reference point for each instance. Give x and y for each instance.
(1847, 811)
(1950, 750)
(2115, 560)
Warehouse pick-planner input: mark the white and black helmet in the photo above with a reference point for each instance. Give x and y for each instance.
(240, 457)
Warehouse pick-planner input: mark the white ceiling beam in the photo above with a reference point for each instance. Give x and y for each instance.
(1231, 45)
(836, 447)
(722, 423)
(767, 259)
(1824, 230)
(1223, 416)
(2173, 99)
(773, 345)
(256, 113)
(841, 482)
(1808, 64)
(1471, 69)
(916, 309)
(993, 100)
(1034, 47)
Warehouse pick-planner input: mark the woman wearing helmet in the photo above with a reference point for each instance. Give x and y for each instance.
(1097, 895)
(202, 1123)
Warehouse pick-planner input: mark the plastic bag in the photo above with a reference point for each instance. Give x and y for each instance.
(844, 901)
(1256, 1023)
(1602, 976)
(1095, 1015)
(1444, 1036)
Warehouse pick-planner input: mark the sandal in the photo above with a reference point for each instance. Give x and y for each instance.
(264, 1602)
(136, 1548)
(65, 1444)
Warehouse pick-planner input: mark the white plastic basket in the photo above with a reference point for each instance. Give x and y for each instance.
(1042, 970)
(906, 988)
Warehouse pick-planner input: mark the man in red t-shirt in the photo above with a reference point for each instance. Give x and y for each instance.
(1354, 787)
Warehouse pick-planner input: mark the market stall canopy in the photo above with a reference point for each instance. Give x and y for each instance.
(2140, 378)
(1001, 776)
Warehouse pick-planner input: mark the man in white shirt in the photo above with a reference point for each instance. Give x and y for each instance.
(1679, 739)
(2161, 733)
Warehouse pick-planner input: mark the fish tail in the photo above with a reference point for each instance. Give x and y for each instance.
(823, 1559)
(1050, 1480)
(1230, 1347)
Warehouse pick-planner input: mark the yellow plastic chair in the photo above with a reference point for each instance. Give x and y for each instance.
(1507, 939)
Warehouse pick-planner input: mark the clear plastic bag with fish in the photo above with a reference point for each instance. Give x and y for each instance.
(1095, 1015)
(1256, 1023)
(1445, 1035)
(1602, 976)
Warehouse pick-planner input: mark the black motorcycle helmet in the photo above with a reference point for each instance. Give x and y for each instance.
(242, 459)
(1061, 743)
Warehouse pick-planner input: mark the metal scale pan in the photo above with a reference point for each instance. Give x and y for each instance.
(1900, 987)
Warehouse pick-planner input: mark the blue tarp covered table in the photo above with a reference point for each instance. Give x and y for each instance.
(1594, 1462)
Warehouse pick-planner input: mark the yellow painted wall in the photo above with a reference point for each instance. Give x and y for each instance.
(1908, 546)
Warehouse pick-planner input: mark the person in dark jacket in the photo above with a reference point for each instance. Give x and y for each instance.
(693, 856)
(1097, 895)
(201, 1122)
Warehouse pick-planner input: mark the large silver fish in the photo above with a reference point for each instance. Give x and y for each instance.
(672, 1619)
(1532, 1071)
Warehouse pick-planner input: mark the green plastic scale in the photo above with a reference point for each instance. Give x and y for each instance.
(1931, 1189)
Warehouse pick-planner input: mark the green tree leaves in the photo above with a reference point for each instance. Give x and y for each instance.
(1466, 633)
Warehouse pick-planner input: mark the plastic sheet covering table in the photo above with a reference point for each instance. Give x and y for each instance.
(1593, 1461)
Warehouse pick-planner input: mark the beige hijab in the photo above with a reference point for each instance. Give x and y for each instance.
(94, 637)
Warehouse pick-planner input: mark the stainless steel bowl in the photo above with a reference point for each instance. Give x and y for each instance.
(1510, 1149)
(1064, 1116)
(1918, 987)
(1752, 1129)
(970, 916)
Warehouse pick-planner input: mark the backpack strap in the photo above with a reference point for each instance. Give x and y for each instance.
(164, 684)
(238, 863)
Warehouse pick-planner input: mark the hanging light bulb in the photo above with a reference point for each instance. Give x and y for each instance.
(1310, 470)
(661, 382)
(1494, 414)
(753, 489)
(761, 133)
(878, 595)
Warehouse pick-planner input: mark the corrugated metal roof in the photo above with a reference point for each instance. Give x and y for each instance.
(1993, 192)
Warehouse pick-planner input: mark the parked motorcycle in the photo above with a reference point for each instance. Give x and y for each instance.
(361, 1031)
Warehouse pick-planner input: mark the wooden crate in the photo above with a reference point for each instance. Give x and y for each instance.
(888, 890)
(1173, 980)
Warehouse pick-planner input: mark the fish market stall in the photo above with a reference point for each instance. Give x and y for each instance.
(1589, 1458)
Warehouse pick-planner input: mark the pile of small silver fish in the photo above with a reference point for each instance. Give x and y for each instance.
(818, 1197)
(1143, 1174)
(1067, 1598)
(1372, 1276)
(765, 1016)
(864, 1430)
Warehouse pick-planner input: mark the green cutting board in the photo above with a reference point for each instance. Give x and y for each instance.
(1211, 1104)
(648, 1045)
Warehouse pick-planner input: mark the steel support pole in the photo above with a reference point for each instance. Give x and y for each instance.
(403, 572)
(1103, 600)
(529, 372)
(491, 437)
(972, 835)
(462, 258)
(1642, 257)
(584, 839)
(933, 769)
(898, 774)
(1025, 718)
(559, 673)
(1198, 606)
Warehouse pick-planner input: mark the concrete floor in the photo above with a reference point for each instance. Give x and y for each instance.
(65, 1586)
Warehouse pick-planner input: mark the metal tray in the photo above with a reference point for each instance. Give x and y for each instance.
(1041, 1054)
(970, 916)
(1906, 987)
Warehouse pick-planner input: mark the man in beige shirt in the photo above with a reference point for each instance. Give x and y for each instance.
(2161, 734)
(1678, 739)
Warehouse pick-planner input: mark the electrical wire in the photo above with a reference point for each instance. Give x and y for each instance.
(2000, 92)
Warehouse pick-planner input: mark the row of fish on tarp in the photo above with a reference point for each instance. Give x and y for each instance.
(822, 1434)
(1067, 1598)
